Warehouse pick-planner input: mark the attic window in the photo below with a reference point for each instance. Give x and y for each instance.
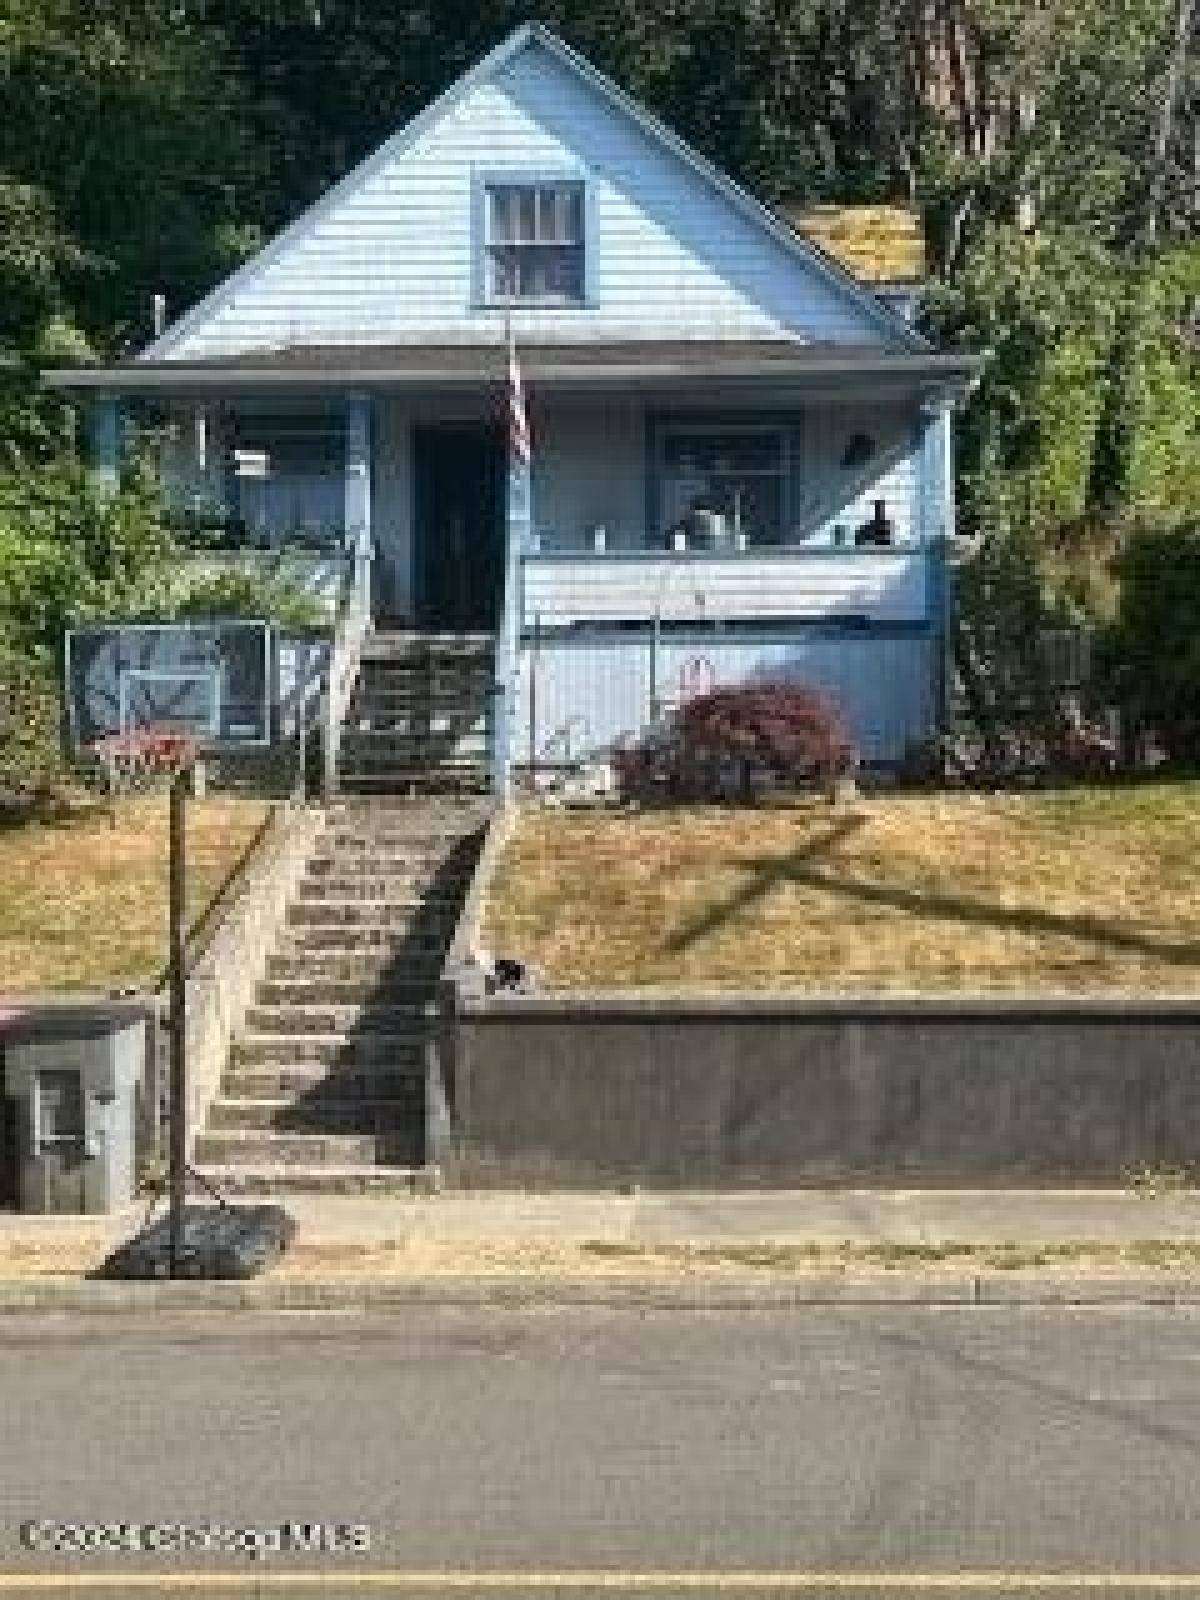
(534, 244)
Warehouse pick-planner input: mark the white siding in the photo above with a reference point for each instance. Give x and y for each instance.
(886, 586)
(589, 470)
(826, 494)
(392, 259)
(589, 693)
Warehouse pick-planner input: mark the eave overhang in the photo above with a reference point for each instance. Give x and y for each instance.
(439, 368)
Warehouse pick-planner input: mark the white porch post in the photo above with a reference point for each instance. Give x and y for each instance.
(518, 523)
(359, 442)
(937, 528)
(937, 469)
(104, 445)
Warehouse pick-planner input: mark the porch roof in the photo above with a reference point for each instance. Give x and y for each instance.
(460, 366)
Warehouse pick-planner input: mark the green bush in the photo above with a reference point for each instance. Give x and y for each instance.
(68, 552)
(31, 761)
(1001, 614)
(245, 593)
(1151, 654)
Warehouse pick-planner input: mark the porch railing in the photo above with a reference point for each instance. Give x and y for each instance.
(890, 585)
(351, 627)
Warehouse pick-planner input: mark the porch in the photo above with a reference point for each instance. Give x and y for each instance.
(775, 492)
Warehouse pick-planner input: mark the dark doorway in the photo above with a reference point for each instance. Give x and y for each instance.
(458, 504)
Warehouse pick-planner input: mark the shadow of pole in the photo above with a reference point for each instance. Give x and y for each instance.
(801, 869)
(769, 873)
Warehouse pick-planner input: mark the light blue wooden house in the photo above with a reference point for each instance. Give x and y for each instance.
(741, 453)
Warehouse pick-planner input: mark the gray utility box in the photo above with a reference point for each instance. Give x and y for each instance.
(73, 1078)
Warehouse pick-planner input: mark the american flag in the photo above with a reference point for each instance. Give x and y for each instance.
(518, 420)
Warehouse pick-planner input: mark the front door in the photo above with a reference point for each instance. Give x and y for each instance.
(458, 494)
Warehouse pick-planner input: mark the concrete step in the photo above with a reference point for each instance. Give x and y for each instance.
(392, 841)
(388, 990)
(444, 687)
(409, 642)
(387, 856)
(246, 1179)
(371, 965)
(396, 891)
(415, 780)
(332, 1052)
(404, 819)
(343, 1019)
(364, 868)
(253, 1147)
(318, 1113)
(418, 761)
(422, 693)
(346, 843)
(433, 813)
(415, 735)
(469, 703)
(340, 939)
(337, 1084)
(326, 912)
(373, 740)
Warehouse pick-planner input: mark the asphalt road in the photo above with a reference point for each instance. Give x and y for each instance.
(812, 1445)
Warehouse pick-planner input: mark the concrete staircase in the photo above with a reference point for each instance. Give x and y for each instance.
(418, 715)
(325, 1088)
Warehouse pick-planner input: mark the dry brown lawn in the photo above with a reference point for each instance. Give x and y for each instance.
(1086, 890)
(83, 905)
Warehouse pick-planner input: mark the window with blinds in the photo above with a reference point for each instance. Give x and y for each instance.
(534, 243)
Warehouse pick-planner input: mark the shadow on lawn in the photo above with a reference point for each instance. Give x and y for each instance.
(805, 868)
(49, 810)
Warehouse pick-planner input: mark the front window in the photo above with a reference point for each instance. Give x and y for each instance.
(723, 486)
(289, 476)
(533, 238)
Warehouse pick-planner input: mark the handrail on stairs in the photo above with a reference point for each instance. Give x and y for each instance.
(351, 627)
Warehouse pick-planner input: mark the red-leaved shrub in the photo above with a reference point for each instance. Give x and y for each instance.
(731, 742)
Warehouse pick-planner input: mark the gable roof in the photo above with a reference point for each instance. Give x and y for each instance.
(530, 34)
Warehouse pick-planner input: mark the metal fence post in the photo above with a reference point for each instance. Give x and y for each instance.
(301, 786)
(178, 988)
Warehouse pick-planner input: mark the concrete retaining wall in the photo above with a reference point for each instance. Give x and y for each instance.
(791, 1092)
(222, 981)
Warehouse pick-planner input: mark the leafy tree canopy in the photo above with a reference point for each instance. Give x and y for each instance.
(149, 145)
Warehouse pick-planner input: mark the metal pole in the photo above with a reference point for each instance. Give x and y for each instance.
(301, 729)
(655, 637)
(534, 660)
(178, 924)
